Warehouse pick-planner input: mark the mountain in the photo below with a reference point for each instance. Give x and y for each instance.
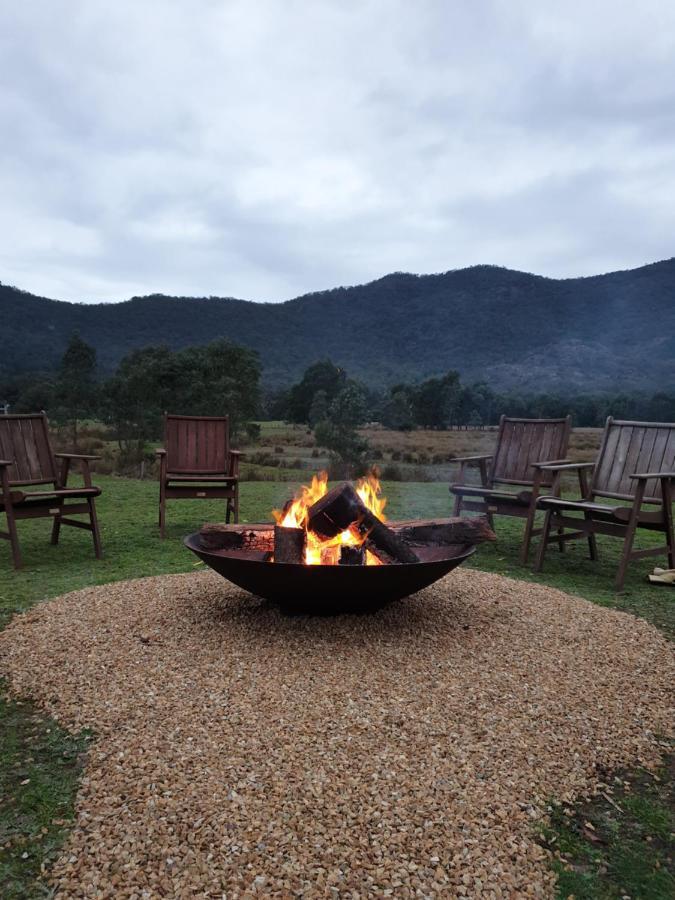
(512, 329)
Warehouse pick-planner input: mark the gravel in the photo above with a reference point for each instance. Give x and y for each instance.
(408, 753)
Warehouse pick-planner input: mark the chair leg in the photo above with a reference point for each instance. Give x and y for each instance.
(96, 534)
(236, 504)
(527, 534)
(13, 537)
(56, 526)
(592, 542)
(162, 510)
(561, 543)
(228, 510)
(668, 517)
(457, 505)
(625, 557)
(543, 541)
(631, 528)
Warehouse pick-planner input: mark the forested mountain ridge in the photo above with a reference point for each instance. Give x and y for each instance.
(512, 329)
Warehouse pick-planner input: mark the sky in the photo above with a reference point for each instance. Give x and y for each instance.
(263, 149)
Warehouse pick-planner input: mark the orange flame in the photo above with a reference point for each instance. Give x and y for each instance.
(326, 551)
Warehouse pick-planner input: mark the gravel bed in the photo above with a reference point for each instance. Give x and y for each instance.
(408, 753)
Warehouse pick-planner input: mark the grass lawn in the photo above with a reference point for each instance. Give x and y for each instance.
(40, 764)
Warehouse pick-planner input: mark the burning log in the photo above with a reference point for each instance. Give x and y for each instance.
(219, 536)
(289, 544)
(260, 537)
(352, 556)
(445, 531)
(342, 507)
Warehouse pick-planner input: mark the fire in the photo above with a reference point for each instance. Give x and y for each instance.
(326, 551)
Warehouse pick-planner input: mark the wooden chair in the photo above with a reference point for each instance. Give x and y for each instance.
(27, 461)
(522, 445)
(636, 465)
(197, 462)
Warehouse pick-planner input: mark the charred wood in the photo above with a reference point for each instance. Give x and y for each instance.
(289, 544)
(342, 507)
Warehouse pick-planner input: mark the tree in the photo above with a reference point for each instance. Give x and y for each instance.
(138, 394)
(348, 409)
(437, 400)
(398, 410)
(76, 391)
(218, 379)
(338, 434)
(318, 411)
(320, 376)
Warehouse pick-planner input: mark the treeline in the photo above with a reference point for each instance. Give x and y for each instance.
(216, 379)
(223, 377)
(444, 402)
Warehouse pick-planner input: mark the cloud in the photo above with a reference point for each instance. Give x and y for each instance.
(265, 150)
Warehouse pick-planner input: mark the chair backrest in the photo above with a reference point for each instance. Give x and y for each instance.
(521, 442)
(24, 439)
(629, 447)
(197, 445)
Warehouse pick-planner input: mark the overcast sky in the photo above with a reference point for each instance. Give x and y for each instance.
(265, 148)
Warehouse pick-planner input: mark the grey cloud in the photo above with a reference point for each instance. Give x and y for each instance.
(265, 150)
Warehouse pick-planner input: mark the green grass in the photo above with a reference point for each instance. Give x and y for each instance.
(39, 767)
(620, 844)
(36, 748)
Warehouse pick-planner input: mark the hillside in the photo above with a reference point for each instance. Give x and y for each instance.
(513, 329)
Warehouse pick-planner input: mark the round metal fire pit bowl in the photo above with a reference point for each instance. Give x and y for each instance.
(330, 590)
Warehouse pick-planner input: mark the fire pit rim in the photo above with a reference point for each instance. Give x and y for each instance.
(339, 584)
(240, 555)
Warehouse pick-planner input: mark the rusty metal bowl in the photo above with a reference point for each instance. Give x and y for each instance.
(326, 590)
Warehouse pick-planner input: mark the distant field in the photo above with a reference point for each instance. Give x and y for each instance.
(285, 451)
(289, 452)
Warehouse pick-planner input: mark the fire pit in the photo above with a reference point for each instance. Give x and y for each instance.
(332, 551)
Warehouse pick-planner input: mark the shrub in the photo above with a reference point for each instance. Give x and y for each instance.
(391, 473)
(253, 431)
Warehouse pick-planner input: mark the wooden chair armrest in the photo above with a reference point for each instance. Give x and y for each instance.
(553, 467)
(480, 461)
(645, 476)
(66, 459)
(234, 463)
(5, 462)
(160, 451)
(551, 462)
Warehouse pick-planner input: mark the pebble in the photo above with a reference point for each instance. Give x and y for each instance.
(412, 752)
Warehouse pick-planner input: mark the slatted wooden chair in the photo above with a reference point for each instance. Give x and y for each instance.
(636, 467)
(522, 445)
(196, 462)
(27, 462)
